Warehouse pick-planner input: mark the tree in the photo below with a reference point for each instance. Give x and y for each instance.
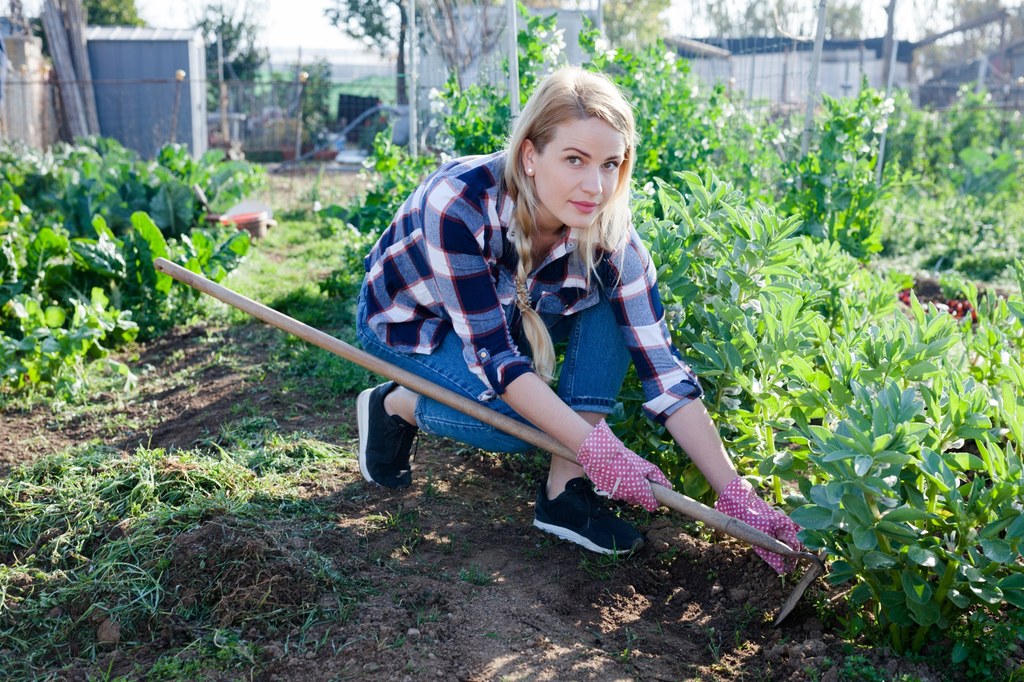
(463, 31)
(634, 24)
(238, 31)
(380, 24)
(112, 13)
(844, 18)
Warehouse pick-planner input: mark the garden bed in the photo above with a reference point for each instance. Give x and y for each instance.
(445, 580)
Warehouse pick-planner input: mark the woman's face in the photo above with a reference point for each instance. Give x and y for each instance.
(576, 173)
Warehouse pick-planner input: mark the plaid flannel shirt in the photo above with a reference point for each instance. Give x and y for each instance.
(447, 262)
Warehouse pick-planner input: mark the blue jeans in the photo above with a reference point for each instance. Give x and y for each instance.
(590, 379)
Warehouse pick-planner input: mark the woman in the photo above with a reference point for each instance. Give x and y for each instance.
(495, 258)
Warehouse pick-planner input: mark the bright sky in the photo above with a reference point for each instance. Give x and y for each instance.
(287, 24)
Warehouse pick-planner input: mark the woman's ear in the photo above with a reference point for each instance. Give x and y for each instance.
(527, 154)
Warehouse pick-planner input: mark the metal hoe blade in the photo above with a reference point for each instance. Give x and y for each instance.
(816, 568)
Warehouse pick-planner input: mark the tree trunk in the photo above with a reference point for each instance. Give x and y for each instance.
(401, 91)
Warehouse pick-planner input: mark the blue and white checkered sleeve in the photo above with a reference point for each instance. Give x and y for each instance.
(668, 382)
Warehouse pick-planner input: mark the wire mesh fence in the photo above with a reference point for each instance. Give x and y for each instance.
(467, 43)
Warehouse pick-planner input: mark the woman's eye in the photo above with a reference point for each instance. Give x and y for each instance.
(611, 165)
(574, 160)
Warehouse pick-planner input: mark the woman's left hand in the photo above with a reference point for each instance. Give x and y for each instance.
(740, 501)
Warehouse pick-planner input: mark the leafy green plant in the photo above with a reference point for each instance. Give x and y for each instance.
(982, 642)
(833, 188)
(72, 184)
(961, 212)
(927, 530)
(749, 303)
(817, 384)
(68, 301)
(50, 349)
(77, 248)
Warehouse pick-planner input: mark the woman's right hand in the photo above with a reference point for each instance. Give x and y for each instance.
(617, 470)
(740, 501)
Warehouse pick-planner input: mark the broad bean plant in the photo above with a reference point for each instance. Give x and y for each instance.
(894, 436)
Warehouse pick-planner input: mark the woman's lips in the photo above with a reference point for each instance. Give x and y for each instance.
(584, 206)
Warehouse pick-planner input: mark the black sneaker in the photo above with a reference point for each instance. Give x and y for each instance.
(579, 515)
(384, 440)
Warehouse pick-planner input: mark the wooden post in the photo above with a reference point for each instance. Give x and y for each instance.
(75, 24)
(812, 81)
(880, 162)
(413, 79)
(179, 77)
(71, 95)
(303, 77)
(513, 59)
(225, 129)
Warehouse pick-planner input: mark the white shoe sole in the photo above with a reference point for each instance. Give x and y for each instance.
(363, 424)
(572, 536)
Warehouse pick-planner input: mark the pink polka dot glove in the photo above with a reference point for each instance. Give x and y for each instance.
(740, 501)
(617, 470)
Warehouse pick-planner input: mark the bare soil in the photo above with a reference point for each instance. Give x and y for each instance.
(454, 581)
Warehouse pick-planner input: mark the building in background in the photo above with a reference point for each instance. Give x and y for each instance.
(776, 70)
(140, 99)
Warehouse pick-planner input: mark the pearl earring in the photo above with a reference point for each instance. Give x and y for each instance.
(529, 171)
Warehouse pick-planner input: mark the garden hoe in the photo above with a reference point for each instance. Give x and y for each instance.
(666, 496)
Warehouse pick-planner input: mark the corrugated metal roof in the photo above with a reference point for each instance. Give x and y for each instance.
(142, 33)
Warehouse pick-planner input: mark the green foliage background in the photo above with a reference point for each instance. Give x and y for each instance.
(892, 433)
(79, 229)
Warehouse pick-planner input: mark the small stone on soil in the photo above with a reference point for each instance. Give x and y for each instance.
(109, 632)
(812, 624)
(738, 594)
(680, 594)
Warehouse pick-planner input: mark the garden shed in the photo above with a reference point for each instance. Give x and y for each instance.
(149, 86)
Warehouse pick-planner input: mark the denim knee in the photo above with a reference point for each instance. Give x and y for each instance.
(596, 360)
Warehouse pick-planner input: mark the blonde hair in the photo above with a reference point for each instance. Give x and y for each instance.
(568, 94)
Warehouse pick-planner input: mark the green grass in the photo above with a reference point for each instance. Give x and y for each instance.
(285, 273)
(142, 540)
(282, 271)
(476, 575)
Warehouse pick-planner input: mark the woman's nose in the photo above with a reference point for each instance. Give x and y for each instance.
(592, 182)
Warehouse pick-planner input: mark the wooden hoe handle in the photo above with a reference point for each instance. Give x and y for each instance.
(668, 497)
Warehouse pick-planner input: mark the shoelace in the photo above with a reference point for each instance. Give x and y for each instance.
(596, 507)
(402, 431)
